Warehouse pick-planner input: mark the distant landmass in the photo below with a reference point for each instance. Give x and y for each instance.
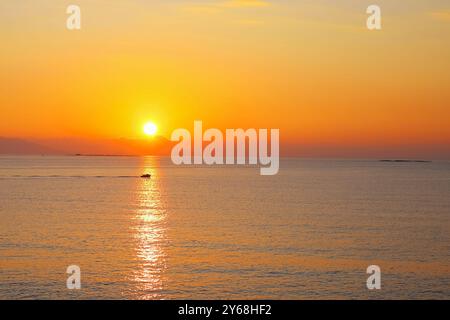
(23, 147)
(76, 146)
(403, 160)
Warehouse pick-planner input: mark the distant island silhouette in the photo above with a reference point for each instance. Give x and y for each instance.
(158, 146)
(403, 160)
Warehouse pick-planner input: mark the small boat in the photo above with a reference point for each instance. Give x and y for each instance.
(146, 176)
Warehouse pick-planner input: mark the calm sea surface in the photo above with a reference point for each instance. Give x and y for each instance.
(222, 232)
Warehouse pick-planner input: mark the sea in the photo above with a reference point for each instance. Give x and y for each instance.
(223, 232)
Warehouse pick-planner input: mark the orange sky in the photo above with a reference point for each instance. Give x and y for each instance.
(310, 68)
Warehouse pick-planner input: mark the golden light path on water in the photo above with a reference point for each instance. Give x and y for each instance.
(149, 232)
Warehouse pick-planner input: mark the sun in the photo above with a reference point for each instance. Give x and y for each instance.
(150, 129)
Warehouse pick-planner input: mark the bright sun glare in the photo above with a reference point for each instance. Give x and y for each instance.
(150, 128)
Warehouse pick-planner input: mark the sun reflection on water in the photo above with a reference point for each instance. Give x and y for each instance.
(149, 231)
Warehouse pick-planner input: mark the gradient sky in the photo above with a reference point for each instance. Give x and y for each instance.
(310, 68)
